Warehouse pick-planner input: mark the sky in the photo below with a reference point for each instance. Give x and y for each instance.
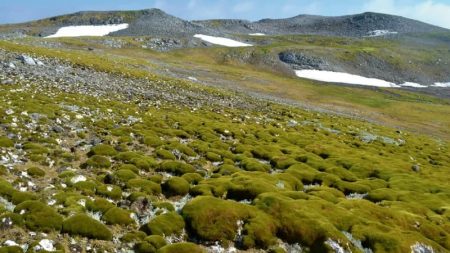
(436, 12)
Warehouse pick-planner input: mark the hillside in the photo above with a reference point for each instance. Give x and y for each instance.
(150, 140)
(157, 22)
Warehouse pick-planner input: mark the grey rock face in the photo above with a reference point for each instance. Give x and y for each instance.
(302, 61)
(154, 22)
(27, 60)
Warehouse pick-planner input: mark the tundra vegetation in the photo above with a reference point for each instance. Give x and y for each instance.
(95, 171)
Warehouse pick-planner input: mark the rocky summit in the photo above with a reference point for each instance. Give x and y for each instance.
(137, 131)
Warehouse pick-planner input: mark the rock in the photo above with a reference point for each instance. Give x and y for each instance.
(9, 112)
(57, 129)
(45, 244)
(39, 63)
(11, 65)
(74, 248)
(7, 81)
(416, 168)
(27, 60)
(292, 123)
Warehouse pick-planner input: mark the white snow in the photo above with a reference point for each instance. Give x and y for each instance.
(87, 30)
(442, 85)
(377, 33)
(411, 84)
(256, 34)
(221, 41)
(340, 77)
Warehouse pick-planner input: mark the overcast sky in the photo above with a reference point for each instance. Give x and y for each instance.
(432, 11)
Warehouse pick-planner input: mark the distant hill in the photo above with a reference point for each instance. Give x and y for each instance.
(158, 23)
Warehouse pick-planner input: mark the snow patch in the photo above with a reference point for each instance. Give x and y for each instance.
(257, 34)
(414, 85)
(442, 85)
(340, 77)
(87, 30)
(221, 41)
(377, 33)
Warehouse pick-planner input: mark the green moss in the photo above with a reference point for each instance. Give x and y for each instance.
(165, 224)
(19, 197)
(39, 217)
(192, 178)
(110, 191)
(86, 187)
(250, 164)
(177, 168)
(5, 142)
(150, 244)
(165, 154)
(152, 141)
(117, 216)
(175, 186)
(99, 205)
(11, 249)
(164, 205)
(133, 237)
(213, 157)
(35, 148)
(98, 161)
(227, 169)
(123, 175)
(103, 150)
(85, 226)
(35, 172)
(382, 194)
(144, 185)
(213, 219)
(156, 240)
(182, 247)
(131, 167)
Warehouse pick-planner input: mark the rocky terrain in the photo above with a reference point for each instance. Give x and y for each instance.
(165, 144)
(156, 22)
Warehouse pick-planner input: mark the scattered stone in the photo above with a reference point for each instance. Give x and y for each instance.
(416, 168)
(421, 248)
(27, 60)
(45, 244)
(7, 81)
(78, 178)
(9, 111)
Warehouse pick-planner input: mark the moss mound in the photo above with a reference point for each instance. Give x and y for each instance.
(175, 186)
(214, 219)
(35, 172)
(150, 244)
(98, 161)
(39, 217)
(117, 216)
(183, 247)
(85, 226)
(177, 168)
(164, 224)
